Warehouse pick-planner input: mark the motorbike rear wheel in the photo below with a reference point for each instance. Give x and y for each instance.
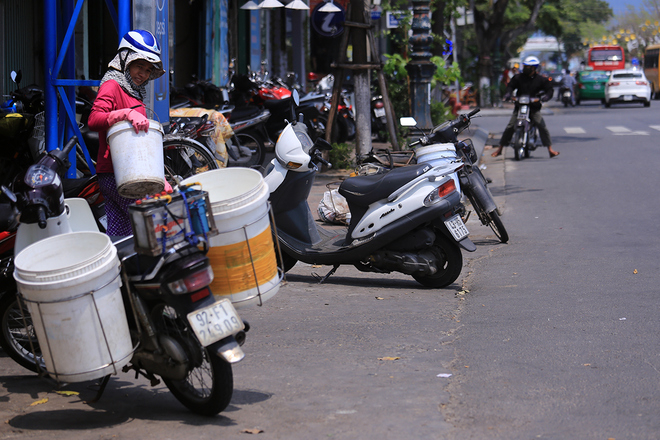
(208, 388)
(256, 147)
(449, 253)
(186, 157)
(15, 338)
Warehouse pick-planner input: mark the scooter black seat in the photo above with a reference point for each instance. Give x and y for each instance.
(364, 190)
(243, 113)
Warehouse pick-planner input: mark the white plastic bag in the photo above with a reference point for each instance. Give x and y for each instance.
(333, 208)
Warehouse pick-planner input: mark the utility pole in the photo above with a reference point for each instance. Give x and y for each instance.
(421, 69)
(362, 80)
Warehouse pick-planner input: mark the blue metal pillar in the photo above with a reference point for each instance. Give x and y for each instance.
(59, 92)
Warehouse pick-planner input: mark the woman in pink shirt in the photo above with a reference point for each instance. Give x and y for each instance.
(120, 98)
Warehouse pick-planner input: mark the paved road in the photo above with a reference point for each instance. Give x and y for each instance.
(550, 336)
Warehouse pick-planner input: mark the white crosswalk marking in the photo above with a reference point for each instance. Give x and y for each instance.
(618, 129)
(655, 127)
(622, 131)
(574, 130)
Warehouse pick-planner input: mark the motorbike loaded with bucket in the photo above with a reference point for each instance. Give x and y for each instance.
(442, 146)
(407, 220)
(88, 308)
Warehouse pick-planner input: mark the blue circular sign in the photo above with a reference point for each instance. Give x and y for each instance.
(328, 24)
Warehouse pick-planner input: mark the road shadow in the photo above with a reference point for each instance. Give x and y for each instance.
(373, 283)
(121, 402)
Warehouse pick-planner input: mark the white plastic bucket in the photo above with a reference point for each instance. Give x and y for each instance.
(137, 159)
(71, 285)
(436, 155)
(242, 254)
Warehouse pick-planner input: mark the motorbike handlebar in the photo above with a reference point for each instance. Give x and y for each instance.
(42, 221)
(69, 145)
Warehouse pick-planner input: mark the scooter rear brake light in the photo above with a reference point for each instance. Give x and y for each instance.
(379, 104)
(612, 84)
(191, 283)
(440, 192)
(641, 83)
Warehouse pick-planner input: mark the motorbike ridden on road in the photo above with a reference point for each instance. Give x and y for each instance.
(525, 136)
(472, 182)
(177, 329)
(566, 94)
(407, 220)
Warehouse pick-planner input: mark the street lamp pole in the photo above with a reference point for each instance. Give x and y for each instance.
(421, 69)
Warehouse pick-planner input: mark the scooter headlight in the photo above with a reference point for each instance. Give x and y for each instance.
(39, 175)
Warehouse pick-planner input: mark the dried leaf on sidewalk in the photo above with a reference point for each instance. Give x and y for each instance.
(252, 431)
(379, 298)
(395, 358)
(68, 393)
(39, 402)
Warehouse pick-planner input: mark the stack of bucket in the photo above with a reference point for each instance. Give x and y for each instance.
(71, 285)
(242, 254)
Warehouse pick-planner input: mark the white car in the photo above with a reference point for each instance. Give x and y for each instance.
(627, 85)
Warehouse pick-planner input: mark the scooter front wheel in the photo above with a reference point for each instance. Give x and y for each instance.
(209, 385)
(449, 263)
(17, 339)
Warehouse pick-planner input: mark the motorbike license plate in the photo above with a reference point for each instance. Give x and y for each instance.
(215, 322)
(627, 97)
(457, 227)
(567, 94)
(379, 112)
(596, 86)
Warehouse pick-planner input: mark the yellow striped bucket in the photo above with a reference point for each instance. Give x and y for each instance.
(242, 254)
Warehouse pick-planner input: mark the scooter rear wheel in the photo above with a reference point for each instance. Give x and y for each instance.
(448, 253)
(208, 388)
(15, 338)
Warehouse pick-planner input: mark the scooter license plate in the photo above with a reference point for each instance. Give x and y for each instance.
(379, 112)
(215, 322)
(627, 97)
(457, 227)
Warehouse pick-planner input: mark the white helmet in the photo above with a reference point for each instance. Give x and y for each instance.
(531, 61)
(144, 43)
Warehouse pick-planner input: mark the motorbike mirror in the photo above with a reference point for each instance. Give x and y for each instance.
(8, 193)
(296, 97)
(408, 121)
(16, 76)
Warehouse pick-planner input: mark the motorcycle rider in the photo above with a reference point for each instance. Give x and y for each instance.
(531, 83)
(120, 98)
(568, 82)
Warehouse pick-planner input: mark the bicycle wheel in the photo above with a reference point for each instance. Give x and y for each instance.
(251, 149)
(185, 157)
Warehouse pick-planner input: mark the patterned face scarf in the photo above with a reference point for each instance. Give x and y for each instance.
(118, 71)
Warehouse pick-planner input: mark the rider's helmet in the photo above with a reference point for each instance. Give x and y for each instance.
(142, 42)
(145, 46)
(531, 61)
